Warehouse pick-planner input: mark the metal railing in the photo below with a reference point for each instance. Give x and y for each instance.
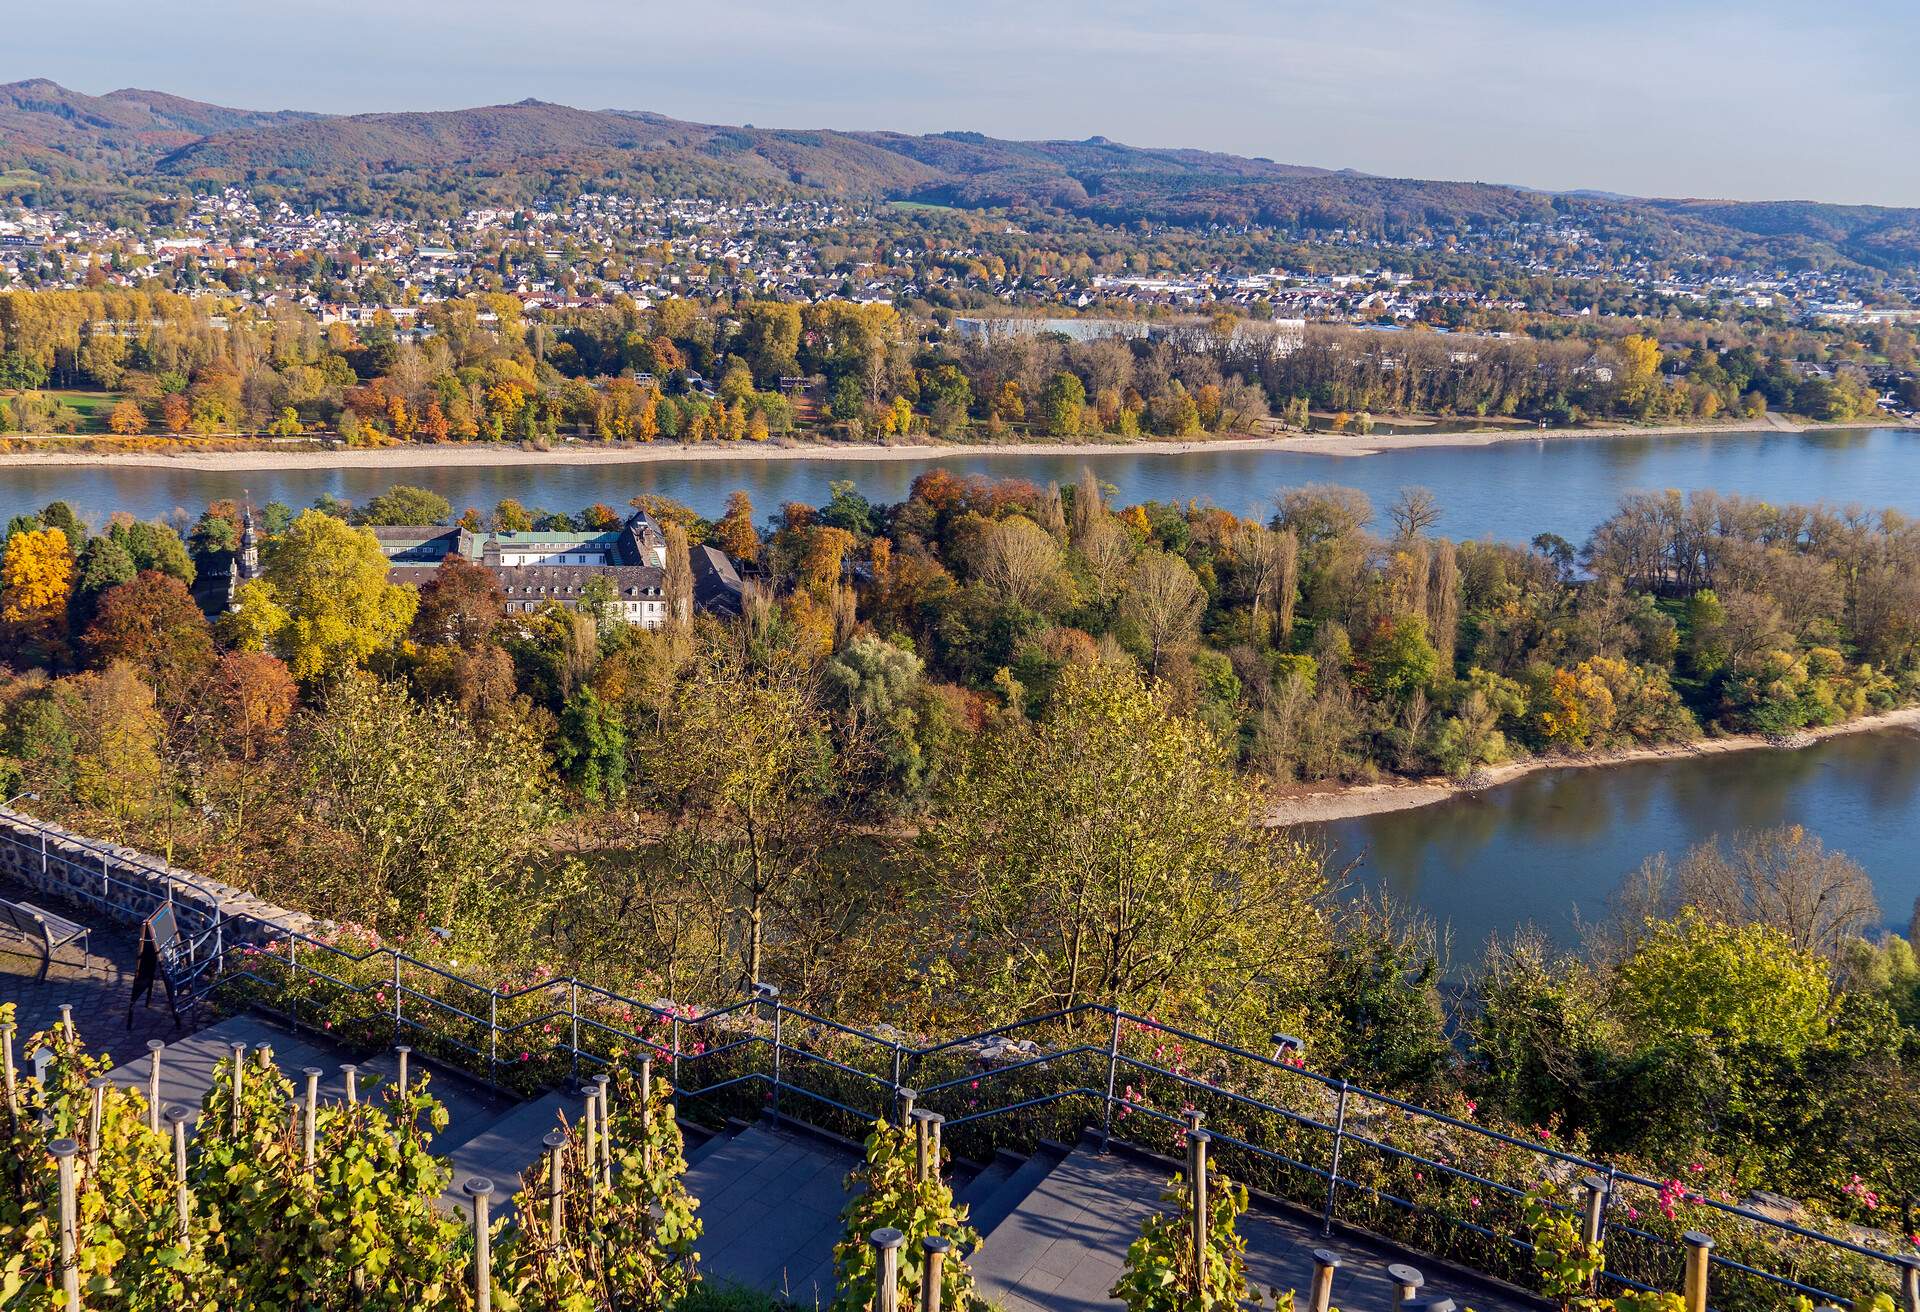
(1352, 1155)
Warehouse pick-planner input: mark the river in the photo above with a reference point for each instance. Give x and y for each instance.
(1507, 490)
(1550, 849)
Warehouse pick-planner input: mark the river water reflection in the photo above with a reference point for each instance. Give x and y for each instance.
(1508, 491)
(1552, 848)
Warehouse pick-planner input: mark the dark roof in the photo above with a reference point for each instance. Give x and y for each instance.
(716, 584)
(556, 582)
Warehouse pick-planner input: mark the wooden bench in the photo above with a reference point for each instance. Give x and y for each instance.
(51, 931)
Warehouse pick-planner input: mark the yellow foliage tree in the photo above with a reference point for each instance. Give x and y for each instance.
(325, 604)
(36, 575)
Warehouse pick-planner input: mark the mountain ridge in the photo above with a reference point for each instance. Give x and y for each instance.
(148, 141)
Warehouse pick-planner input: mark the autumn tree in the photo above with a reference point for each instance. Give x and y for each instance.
(414, 812)
(117, 763)
(127, 419)
(743, 769)
(401, 504)
(1112, 853)
(1063, 403)
(735, 533)
(1020, 561)
(36, 576)
(324, 603)
(1166, 601)
(1784, 878)
(153, 624)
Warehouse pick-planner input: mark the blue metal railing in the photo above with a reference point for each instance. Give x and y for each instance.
(276, 967)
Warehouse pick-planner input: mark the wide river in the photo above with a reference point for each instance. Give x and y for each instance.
(1509, 490)
(1549, 849)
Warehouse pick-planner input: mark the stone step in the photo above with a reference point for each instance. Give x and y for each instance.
(187, 1066)
(983, 1186)
(1064, 1246)
(506, 1145)
(995, 1208)
(770, 1202)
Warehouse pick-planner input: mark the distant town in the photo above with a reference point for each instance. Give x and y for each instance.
(596, 247)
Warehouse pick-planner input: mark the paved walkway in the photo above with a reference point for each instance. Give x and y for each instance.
(1062, 1249)
(97, 981)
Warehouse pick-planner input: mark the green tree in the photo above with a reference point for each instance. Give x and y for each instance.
(1732, 984)
(1112, 853)
(401, 504)
(325, 603)
(413, 811)
(1063, 403)
(591, 750)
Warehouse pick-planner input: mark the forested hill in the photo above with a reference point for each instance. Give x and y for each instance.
(73, 148)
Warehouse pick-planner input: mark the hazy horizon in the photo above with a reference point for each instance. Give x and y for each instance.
(1767, 101)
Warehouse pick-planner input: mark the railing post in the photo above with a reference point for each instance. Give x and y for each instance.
(178, 1119)
(556, 1144)
(6, 1058)
(589, 1131)
(96, 1107)
(1333, 1172)
(886, 1244)
(1197, 1142)
(239, 1082)
(1910, 1283)
(493, 1035)
(396, 997)
(771, 994)
(920, 1142)
(1699, 1258)
(573, 1012)
(1407, 1283)
(603, 1086)
(935, 1249)
(480, 1189)
(63, 1151)
(1325, 1263)
(1113, 1075)
(1593, 1217)
(676, 1059)
(293, 976)
(899, 1053)
(154, 1048)
(309, 1112)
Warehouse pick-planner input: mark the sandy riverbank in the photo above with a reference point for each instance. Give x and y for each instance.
(1320, 805)
(454, 455)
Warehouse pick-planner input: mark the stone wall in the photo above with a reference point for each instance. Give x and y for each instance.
(97, 882)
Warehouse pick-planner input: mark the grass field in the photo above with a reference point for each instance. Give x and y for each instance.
(96, 406)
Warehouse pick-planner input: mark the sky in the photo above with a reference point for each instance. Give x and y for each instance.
(1740, 99)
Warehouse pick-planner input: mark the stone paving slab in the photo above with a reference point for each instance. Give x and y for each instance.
(1063, 1247)
(96, 980)
(770, 1203)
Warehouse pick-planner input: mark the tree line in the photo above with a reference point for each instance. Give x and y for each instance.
(481, 368)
